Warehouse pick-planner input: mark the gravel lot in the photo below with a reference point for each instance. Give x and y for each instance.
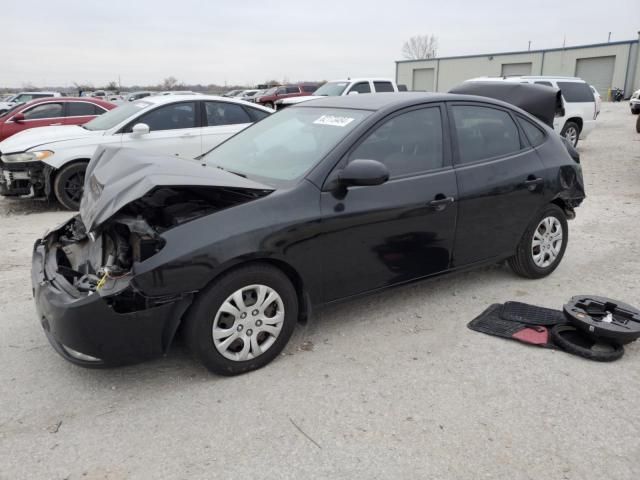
(391, 386)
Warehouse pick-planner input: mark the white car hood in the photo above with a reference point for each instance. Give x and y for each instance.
(39, 136)
(6, 105)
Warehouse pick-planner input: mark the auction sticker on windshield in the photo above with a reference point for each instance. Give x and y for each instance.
(334, 121)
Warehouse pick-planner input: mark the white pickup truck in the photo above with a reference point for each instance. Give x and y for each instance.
(337, 88)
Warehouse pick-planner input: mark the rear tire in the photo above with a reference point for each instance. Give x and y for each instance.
(243, 320)
(69, 185)
(635, 111)
(270, 105)
(571, 131)
(543, 244)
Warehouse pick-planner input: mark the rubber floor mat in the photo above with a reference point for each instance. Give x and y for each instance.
(491, 323)
(532, 314)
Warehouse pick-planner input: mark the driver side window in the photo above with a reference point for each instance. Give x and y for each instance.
(46, 110)
(170, 117)
(409, 143)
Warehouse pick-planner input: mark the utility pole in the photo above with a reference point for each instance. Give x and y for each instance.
(529, 45)
(609, 38)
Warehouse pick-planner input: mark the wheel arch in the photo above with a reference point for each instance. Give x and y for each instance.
(577, 120)
(304, 300)
(55, 171)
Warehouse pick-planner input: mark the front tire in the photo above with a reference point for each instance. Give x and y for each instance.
(243, 320)
(69, 185)
(571, 131)
(543, 244)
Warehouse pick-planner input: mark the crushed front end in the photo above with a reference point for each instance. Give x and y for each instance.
(86, 297)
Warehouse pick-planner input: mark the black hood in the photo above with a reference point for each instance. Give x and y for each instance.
(116, 177)
(540, 101)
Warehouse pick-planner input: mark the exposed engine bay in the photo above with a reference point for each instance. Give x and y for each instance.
(102, 260)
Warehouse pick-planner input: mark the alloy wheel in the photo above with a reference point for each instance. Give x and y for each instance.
(248, 322)
(547, 242)
(73, 187)
(571, 134)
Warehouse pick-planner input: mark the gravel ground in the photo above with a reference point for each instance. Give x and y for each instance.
(391, 386)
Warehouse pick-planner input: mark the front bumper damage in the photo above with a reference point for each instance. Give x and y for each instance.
(29, 179)
(91, 323)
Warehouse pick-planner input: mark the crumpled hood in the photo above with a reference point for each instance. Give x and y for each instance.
(35, 137)
(117, 176)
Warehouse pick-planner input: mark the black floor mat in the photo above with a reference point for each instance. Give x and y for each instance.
(531, 314)
(489, 322)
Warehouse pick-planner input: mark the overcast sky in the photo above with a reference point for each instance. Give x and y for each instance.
(248, 41)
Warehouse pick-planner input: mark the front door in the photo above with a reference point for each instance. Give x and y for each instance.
(500, 181)
(376, 236)
(174, 129)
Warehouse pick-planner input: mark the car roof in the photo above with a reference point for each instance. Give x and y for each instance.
(382, 101)
(97, 101)
(362, 79)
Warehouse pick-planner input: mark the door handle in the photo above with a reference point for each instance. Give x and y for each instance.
(54, 124)
(532, 182)
(441, 202)
(188, 135)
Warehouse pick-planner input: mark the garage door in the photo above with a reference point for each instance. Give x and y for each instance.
(423, 79)
(516, 69)
(597, 71)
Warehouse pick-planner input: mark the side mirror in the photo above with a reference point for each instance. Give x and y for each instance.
(18, 118)
(140, 129)
(363, 173)
(353, 92)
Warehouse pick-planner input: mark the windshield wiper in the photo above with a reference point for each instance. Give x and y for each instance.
(230, 171)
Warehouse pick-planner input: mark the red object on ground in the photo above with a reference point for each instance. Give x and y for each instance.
(532, 335)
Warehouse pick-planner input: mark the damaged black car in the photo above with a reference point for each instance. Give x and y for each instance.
(327, 200)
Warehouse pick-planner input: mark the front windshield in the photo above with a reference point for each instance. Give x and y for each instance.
(271, 91)
(284, 146)
(117, 115)
(331, 89)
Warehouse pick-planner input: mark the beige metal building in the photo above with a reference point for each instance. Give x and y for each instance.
(603, 65)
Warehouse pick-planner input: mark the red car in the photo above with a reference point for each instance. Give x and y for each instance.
(268, 98)
(51, 111)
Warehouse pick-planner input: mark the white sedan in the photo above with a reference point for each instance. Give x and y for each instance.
(51, 161)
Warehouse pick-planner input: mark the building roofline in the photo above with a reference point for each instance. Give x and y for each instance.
(544, 50)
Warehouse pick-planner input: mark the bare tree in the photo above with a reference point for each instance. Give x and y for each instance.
(111, 86)
(420, 46)
(169, 83)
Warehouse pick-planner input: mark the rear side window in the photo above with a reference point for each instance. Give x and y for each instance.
(484, 133)
(45, 110)
(256, 115)
(533, 133)
(383, 86)
(576, 92)
(293, 90)
(222, 113)
(309, 88)
(409, 143)
(362, 87)
(82, 109)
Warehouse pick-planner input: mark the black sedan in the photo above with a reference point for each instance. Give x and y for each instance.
(331, 199)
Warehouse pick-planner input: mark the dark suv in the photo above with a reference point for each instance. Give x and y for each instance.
(268, 99)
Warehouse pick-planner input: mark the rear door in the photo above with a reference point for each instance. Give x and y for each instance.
(381, 235)
(221, 120)
(77, 113)
(174, 129)
(500, 181)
